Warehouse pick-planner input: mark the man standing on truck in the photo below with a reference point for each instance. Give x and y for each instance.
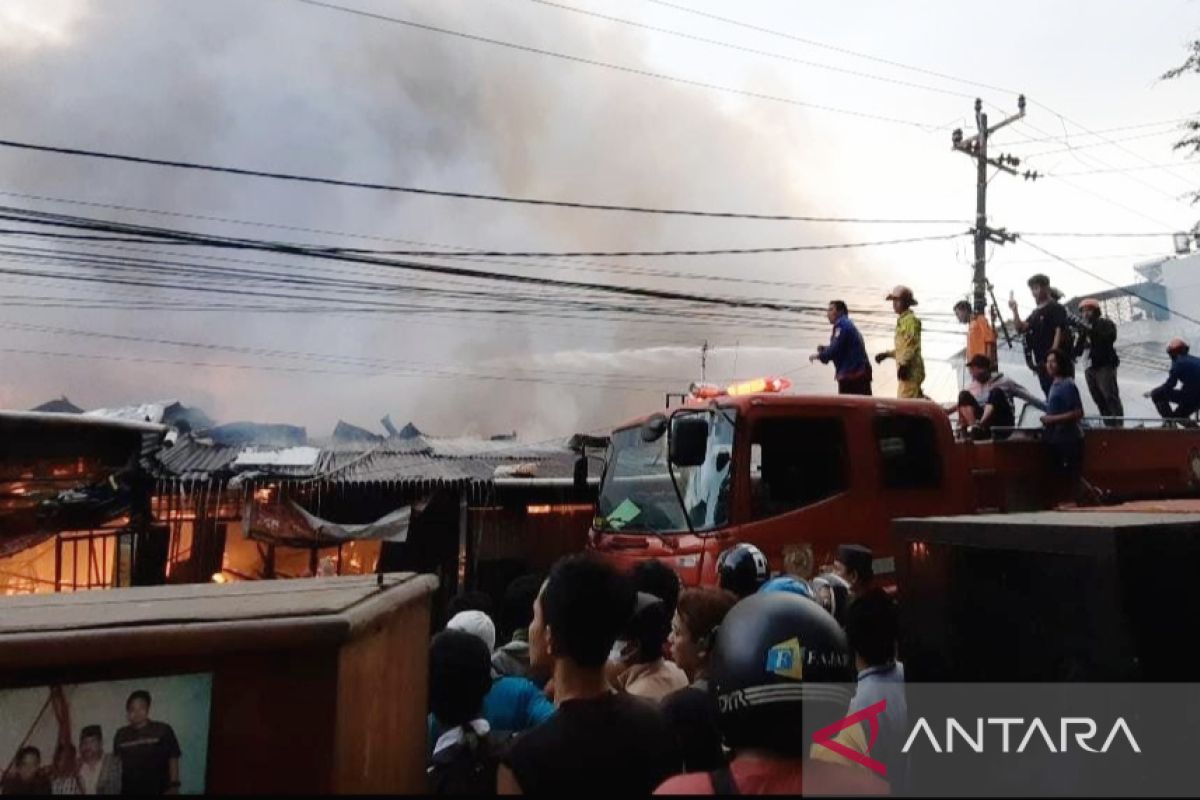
(1100, 338)
(1045, 328)
(1185, 369)
(910, 367)
(847, 352)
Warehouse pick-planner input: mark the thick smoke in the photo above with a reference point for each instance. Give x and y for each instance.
(289, 87)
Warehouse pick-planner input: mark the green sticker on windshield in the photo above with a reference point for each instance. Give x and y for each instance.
(623, 514)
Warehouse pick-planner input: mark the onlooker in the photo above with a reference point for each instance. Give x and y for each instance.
(962, 312)
(987, 402)
(599, 742)
(872, 628)
(517, 611)
(465, 757)
(742, 569)
(148, 750)
(1045, 328)
(26, 776)
(833, 594)
(1099, 339)
(471, 601)
(1064, 409)
(654, 577)
(910, 366)
(511, 703)
(798, 561)
(769, 648)
(476, 623)
(64, 777)
(99, 772)
(855, 565)
(691, 711)
(638, 664)
(1185, 370)
(852, 368)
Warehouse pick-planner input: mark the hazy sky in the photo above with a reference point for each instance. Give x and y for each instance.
(280, 85)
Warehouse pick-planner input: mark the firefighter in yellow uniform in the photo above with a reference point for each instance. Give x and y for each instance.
(910, 367)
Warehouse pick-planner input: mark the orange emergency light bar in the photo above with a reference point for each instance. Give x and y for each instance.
(708, 391)
(759, 386)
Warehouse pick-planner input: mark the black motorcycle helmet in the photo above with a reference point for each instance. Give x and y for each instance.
(742, 569)
(837, 600)
(781, 670)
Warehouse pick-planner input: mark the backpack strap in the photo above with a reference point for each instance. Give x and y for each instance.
(723, 782)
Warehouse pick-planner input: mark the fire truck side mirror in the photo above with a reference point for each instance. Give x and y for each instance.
(689, 439)
(581, 474)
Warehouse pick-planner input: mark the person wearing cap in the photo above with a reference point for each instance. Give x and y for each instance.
(511, 703)
(1185, 373)
(852, 368)
(1045, 328)
(910, 367)
(987, 402)
(1099, 339)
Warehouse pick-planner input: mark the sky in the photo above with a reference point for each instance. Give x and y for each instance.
(837, 110)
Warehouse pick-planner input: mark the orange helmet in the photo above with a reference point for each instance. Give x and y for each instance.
(1089, 302)
(902, 293)
(1177, 346)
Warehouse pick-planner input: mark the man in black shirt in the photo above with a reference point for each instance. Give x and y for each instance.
(598, 743)
(148, 750)
(1101, 338)
(1045, 328)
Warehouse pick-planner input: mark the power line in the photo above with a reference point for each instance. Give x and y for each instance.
(751, 50)
(1102, 279)
(826, 46)
(1141, 168)
(1140, 126)
(1087, 145)
(548, 254)
(382, 187)
(619, 67)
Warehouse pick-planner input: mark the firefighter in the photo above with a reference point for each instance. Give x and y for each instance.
(847, 352)
(1099, 337)
(1185, 369)
(910, 367)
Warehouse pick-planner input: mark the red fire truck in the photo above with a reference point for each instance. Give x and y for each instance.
(750, 464)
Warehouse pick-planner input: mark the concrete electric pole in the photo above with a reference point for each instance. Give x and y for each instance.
(977, 148)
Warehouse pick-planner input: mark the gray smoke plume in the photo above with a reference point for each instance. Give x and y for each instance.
(284, 86)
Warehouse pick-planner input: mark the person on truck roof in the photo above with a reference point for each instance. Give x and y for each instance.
(847, 351)
(1099, 339)
(1185, 370)
(981, 336)
(1045, 327)
(987, 402)
(1064, 410)
(769, 649)
(910, 366)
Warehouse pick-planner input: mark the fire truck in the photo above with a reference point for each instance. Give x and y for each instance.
(753, 464)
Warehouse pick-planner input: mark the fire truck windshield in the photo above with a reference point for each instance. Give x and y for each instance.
(638, 495)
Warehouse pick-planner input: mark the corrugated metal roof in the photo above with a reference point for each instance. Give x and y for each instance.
(191, 459)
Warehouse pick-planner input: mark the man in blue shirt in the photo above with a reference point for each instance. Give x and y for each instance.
(847, 352)
(1185, 369)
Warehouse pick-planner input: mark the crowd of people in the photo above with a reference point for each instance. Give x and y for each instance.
(144, 760)
(1054, 339)
(629, 684)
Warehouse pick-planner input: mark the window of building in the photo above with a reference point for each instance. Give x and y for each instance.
(908, 450)
(795, 463)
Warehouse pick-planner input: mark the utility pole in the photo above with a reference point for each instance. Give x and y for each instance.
(704, 362)
(977, 148)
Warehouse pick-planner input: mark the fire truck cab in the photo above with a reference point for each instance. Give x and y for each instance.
(776, 470)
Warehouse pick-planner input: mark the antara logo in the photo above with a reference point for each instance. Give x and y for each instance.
(827, 736)
(1033, 730)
